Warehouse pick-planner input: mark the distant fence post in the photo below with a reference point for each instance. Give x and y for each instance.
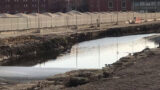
(98, 20)
(127, 15)
(3, 25)
(67, 21)
(117, 18)
(18, 23)
(11, 23)
(76, 21)
(27, 22)
(111, 18)
(51, 21)
(91, 19)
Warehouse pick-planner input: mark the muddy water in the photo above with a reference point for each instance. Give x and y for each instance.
(25, 74)
(97, 53)
(85, 55)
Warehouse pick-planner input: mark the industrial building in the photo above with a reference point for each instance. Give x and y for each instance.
(23, 6)
(35, 6)
(146, 5)
(109, 5)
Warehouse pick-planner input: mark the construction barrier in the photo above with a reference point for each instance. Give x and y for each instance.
(23, 21)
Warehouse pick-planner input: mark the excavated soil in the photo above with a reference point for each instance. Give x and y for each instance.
(137, 72)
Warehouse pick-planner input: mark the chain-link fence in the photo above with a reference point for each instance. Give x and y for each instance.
(22, 21)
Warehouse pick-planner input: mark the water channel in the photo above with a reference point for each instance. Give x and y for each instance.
(93, 54)
(96, 53)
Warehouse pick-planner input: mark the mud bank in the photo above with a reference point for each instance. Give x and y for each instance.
(145, 62)
(33, 49)
(71, 80)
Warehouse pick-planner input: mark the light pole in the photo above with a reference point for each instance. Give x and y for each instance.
(38, 17)
(76, 35)
(133, 8)
(76, 13)
(117, 13)
(98, 22)
(155, 10)
(145, 10)
(68, 5)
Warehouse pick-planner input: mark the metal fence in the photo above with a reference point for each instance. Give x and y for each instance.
(22, 21)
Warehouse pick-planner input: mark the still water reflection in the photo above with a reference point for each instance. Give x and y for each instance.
(97, 53)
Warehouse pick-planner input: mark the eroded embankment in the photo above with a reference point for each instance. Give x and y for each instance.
(73, 79)
(30, 50)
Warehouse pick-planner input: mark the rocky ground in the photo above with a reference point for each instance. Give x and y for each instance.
(37, 47)
(33, 48)
(134, 72)
(142, 74)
